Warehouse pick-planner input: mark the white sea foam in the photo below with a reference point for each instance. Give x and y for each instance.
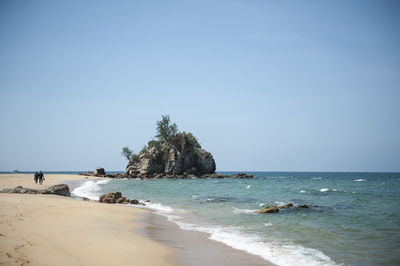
(159, 207)
(278, 253)
(287, 254)
(316, 178)
(90, 189)
(103, 181)
(237, 211)
(324, 189)
(360, 180)
(303, 191)
(248, 187)
(195, 196)
(262, 204)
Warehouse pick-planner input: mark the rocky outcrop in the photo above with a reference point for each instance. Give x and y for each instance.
(116, 198)
(110, 197)
(178, 157)
(99, 171)
(20, 190)
(61, 190)
(240, 175)
(269, 209)
(274, 209)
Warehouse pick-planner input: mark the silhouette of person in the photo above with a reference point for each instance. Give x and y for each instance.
(36, 177)
(41, 177)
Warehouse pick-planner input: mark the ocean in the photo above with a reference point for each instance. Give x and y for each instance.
(354, 218)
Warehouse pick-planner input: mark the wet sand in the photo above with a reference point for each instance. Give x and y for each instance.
(194, 248)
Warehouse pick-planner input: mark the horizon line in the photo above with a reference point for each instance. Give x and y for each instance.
(265, 171)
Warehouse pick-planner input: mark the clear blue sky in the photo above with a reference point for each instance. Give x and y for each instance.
(264, 85)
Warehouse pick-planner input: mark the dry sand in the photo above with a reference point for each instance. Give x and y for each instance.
(55, 230)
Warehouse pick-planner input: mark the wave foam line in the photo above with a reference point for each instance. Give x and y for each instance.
(277, 253)
(90, 189)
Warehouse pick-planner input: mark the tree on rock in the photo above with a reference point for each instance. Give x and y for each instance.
(127, 153)
(164, 130)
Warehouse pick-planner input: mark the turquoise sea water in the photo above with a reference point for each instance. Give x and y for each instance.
(355, 218)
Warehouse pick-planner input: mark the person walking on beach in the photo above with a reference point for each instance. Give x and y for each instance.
(41, 177)
(36, 177)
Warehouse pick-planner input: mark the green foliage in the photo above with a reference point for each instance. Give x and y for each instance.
(144, 150)
(167, 136)
(189, 138)
(130, 155)
(177, 140)
(127, 153)
(135, 158)
(154, 143)
(164, 130)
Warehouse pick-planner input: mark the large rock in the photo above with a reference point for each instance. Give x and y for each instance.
(61, 189)
(20, 190)
(110, 197)
(116, 198)
(178, 157)
(99, 171)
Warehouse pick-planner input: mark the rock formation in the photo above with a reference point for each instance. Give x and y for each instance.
(180, 156)
(172, 154)
(61, 190)
(99, 171)
(116, 198)
(274, 209)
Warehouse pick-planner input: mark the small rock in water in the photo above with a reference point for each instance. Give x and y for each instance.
(274, 209)
(116, 198)
(268, 209)
(286, 206)
(133, 201)
(303, 206)
(110, 197)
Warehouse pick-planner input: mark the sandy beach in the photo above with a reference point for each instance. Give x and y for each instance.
(56, 230)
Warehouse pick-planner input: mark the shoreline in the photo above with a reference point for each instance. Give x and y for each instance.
(175, 245)
(56, 230)
(194, 247)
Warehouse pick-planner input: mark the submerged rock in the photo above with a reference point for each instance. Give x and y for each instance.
(274, 209)
(241, 175)
(286, 206)
(268, 209)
